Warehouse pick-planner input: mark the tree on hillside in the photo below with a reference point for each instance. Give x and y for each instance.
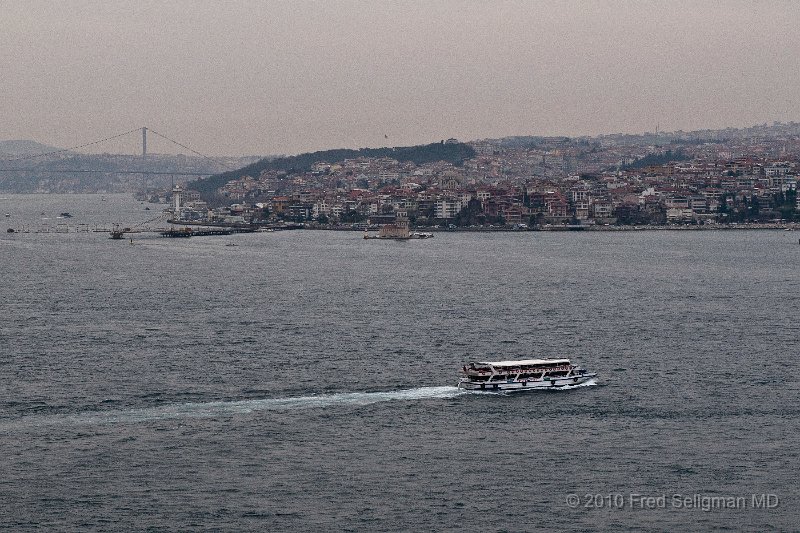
(471, 214)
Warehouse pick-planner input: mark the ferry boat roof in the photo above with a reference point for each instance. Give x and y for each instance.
(525, 362)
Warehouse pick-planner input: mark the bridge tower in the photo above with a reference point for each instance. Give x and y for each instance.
(144, 142)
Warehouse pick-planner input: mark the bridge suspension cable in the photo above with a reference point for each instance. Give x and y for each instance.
(190, 149)
(34, 156)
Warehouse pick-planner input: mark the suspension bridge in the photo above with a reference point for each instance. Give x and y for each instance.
(165, 223)
(16, 164)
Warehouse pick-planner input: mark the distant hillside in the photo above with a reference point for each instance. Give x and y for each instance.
(453, 153)
(21, 148)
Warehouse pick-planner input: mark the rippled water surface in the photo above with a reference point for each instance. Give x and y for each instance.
(305, 380)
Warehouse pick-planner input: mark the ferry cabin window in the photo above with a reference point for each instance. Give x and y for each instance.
(498, 378)
(479, 378)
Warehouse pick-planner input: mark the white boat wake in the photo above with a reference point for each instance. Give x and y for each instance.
(589, 383)
(212, 409)
(227, 408)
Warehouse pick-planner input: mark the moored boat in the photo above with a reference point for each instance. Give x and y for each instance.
(525, 374)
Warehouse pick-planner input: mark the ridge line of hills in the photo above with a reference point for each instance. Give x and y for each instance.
(24, 147)
(455, 153)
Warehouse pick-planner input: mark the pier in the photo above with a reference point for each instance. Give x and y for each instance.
(118, 232)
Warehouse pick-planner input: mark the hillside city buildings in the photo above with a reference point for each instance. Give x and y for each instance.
(707, 177)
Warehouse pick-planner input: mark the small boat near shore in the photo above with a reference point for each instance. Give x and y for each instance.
(525, 374)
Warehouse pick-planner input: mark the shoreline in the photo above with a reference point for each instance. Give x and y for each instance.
(102, 228)
(785, 226)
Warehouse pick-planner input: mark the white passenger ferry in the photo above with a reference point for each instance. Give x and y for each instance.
(526, 374)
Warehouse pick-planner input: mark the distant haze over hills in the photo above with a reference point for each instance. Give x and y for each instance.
(24, 168)
(17, 148)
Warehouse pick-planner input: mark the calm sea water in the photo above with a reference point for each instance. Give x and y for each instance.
(305, 380)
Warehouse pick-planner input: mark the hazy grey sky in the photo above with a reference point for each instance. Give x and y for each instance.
(267, 77)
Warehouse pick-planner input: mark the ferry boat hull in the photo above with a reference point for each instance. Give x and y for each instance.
(512, 385)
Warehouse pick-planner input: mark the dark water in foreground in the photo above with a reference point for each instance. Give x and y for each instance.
(304, 380)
